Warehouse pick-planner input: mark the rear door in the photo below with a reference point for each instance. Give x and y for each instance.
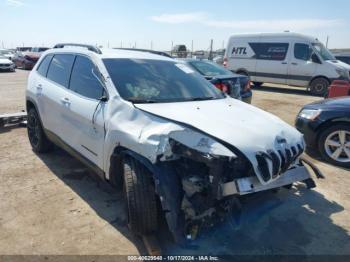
(84, 117)
(54, 93)
(272, 61)
(301, 68)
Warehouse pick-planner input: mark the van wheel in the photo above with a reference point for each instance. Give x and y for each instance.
(258, 84)
(243, 73)
(140, 197)
(319, 86)
(334, 144)
(37, 138)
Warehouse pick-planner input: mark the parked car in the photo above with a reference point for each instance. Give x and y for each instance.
(154, 127)
(179, 51)
(344, 57)
(25, 60)
(219, 60)
(6, 53)
(237, 86)
(285, 58)
(326, 127)
(38, 49)
(6, 64)
(24, 49)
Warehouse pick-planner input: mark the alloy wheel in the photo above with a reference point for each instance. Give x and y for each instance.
(337, 146)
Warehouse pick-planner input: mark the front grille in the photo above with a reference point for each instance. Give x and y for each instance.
(280, 159)
(4, 64)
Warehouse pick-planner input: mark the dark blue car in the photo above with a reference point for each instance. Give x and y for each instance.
(237, 86)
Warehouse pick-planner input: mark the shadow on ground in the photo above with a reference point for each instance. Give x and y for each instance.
(296, 221)
(284, 90)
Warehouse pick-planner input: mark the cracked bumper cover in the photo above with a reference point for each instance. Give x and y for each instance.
(248, 185)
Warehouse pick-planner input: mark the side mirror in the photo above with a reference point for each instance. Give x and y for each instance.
(315, 59)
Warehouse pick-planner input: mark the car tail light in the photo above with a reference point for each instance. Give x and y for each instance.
(225, 62)
(222, 87)
(247, 86)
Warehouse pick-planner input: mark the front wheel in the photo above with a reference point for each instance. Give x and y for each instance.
(334, 144)
(140, 197)
(319, 86)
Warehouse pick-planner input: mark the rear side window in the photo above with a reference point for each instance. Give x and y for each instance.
(60, 68)
(85, 79)
(270, 51)
(44, 65)
(302, 51)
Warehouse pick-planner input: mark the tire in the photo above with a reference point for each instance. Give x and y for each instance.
(243, 73)
(140, 198)
(330, 144)
(258, 84)
(37, 138)
(319, 86)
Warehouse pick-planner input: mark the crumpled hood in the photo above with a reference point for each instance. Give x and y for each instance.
(246, 127)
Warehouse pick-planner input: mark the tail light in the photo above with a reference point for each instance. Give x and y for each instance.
(225, 62)
(222, 87)
(247, 86)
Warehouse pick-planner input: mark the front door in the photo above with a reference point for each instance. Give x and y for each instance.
(84, 117)
(301, 68)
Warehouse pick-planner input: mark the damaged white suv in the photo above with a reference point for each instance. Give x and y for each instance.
(157, 129)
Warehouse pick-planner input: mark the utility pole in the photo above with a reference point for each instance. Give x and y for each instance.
(151, 45)
(327, 41)
(121, 44)
(211, 50)
(191, 48)
(2, 43)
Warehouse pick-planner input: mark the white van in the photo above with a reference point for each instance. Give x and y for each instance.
(285, 58)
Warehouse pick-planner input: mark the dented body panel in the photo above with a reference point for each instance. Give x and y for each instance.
(202, 155)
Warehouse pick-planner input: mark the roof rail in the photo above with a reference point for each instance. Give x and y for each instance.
(147, 51)
(89, 47)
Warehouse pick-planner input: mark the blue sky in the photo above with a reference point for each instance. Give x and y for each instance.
(161, 22)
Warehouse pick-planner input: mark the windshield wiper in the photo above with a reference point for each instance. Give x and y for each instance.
(142, 101)
(201, 98)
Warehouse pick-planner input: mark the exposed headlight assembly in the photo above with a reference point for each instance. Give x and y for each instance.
(310, 114)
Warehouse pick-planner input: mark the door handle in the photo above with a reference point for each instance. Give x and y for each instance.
(294, 63)
(284, 63)
(65, 101)
(39, 87)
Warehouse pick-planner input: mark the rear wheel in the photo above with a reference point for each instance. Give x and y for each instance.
(258, 84)
(140, 197)
(334, 145)
(319, 86)
(36, 135)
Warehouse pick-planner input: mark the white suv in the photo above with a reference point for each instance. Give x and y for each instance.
(154, 127)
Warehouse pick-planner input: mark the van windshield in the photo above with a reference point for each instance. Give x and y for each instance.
(156, 81)
(323, 51)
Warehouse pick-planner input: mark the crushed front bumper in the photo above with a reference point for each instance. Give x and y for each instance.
(248, 185)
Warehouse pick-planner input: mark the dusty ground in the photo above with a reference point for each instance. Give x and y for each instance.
(50, 205)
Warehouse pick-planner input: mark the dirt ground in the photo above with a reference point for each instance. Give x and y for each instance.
(49, 204)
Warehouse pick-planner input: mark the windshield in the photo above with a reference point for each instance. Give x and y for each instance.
(322, 51)
(155, 81)
(208, 68)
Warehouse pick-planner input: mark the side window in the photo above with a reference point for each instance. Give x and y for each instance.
(270, 51)
(60, 68)
(302, 51)
(85, 80)
(44, 65)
